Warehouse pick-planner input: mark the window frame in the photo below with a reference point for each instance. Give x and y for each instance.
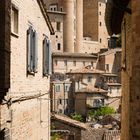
(57, 88)
(15, 9)
(32, 51)
(58, 26)
(89, 79)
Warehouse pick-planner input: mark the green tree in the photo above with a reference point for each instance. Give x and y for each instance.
(77, 117)
(55, 136)
(102, 111)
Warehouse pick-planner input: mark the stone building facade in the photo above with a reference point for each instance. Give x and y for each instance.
(127, 21)
(80, 33)
(25, 100)
(65, 62)
(94, 22)
(60, 95)
(110, 62)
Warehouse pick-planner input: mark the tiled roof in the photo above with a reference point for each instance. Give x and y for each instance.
(111, 51)
(66, 54)
(113, 84)
(45, 14)
(69, 121)
(86, 70)
(109, 74)
(92, 90)
(61, 82)
(56, 12)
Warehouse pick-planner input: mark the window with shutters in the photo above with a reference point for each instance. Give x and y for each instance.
(47, 67)
(58, 26)
(32, 50)
(66, 88)
(57, 88)
(14, 20)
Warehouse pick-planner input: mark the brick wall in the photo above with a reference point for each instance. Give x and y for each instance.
(131, 73)
(135, 79)
(26, 111)
(27, 120)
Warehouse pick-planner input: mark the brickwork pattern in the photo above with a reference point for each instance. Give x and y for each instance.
(26, 110)
(131, 74)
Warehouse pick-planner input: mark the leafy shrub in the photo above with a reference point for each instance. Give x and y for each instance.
(102, 111)
(77, 117)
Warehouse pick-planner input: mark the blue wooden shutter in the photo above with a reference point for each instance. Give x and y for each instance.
(35, 52)
(45, 64)
(47, 57)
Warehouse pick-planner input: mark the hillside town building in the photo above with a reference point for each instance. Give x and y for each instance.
(60, 95)
(81, 25)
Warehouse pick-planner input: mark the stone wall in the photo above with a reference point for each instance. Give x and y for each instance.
(131, 73)
(80, 62)
(25, 112)
(90, 25)
(27, 120)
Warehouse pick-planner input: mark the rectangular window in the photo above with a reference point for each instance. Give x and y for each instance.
(14, 20)
(32, 47)
(57, 88)
(60, 101)
(92, 64)
(53, 7)
(66, 88)
(65, 62)
(47, 66)
(58, 46)
(98, 102)
(83, 63)
(58, 26)
(61, 9)
(107, 67)
(74, 63)
(56, 62)
(110, 90)
(89, 79)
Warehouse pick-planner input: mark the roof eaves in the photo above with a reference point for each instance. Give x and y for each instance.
(44, 12)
